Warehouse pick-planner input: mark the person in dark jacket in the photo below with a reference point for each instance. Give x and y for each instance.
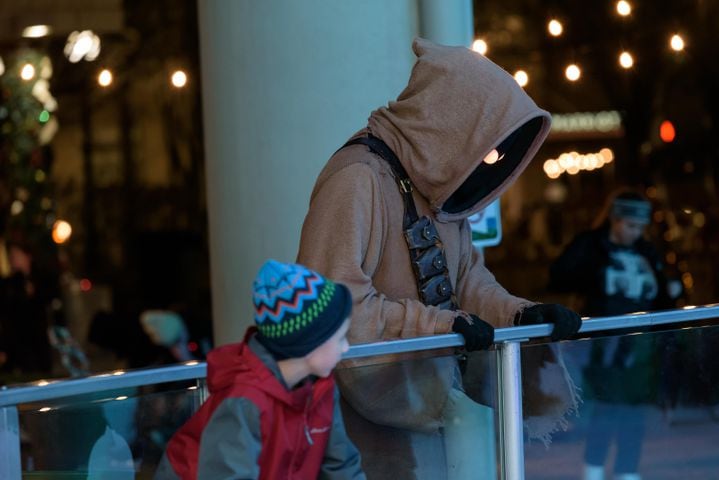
(616, 271)
(273, 408)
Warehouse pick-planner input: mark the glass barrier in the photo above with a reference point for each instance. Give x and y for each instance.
(650, 409)
(119, 434)
(416, 409)
(423, 417)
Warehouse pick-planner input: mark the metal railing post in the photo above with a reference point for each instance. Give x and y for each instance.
(10, 467)
(510, 411)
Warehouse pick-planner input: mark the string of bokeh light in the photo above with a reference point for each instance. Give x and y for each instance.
(555, 27)
(573, 162)
(573, 72)
(676, 42)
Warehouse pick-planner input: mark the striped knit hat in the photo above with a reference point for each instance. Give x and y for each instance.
(297, 309)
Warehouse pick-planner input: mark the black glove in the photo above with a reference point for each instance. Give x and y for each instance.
(478, 334)
(566, 322)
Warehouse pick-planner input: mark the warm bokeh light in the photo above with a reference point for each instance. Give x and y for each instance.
(16, 207)
(36, 31)
(626, 60)
(573, 73)
(574, 162)
(82, 45)
(104, 79)
(555, 28)
(61, 232)
(676, 43)
(607, 154)
(667, 132)
(2, 66)
(27, 72)
(480, 46)
(179, 79)
(624, 8)
(521, 77)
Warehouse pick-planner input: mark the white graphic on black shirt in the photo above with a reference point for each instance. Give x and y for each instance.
(630, 275)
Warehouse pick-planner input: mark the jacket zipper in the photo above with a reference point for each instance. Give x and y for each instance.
(306, 421)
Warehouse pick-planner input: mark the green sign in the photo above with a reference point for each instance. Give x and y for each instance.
(487, 226)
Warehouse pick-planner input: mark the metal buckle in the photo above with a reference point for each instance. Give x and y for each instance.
(405, 185)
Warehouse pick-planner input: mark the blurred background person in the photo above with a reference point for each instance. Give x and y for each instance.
(616, 270)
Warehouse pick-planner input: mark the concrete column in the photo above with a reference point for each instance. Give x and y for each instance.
(449, 22)
(284, 84)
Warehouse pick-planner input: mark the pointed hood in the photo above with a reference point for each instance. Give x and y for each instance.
(457, 107)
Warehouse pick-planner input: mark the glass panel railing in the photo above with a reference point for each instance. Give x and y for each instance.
(72, 428)
(424, 417)
(650, 409)
(115, 434)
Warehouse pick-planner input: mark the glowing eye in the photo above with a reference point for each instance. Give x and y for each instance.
(492, 157)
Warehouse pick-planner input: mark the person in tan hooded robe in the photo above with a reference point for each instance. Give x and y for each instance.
(458, 110)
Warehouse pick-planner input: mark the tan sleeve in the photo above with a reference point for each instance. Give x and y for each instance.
(479, 292)
(343, 238)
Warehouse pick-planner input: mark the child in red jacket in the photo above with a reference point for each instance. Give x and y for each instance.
(273, 407)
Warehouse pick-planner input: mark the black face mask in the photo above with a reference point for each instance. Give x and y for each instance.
(486, 178)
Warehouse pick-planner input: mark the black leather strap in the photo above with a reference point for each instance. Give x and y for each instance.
(432, 280)
(400, 174)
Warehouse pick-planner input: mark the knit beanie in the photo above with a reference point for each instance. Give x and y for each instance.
(637, 210)
(297, 309)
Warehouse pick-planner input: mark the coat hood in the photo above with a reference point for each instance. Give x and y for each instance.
(249, 363)
(457, 107)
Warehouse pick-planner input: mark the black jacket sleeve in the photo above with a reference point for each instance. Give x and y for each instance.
(576, 268)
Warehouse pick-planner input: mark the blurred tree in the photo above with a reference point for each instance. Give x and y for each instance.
(27, 124)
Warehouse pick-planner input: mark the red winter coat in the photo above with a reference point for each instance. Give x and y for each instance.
(252, 426)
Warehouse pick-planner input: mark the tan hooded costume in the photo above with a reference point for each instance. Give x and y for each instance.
(457, 107)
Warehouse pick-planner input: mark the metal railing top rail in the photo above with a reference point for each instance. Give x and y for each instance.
(53, 389)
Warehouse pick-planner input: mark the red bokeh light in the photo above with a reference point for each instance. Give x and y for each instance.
(667, 132)
(85, 285)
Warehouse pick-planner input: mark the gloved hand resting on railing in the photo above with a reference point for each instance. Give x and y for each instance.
(566, 322)
(478, 334)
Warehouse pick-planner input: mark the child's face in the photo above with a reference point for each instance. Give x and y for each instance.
(323, 359)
